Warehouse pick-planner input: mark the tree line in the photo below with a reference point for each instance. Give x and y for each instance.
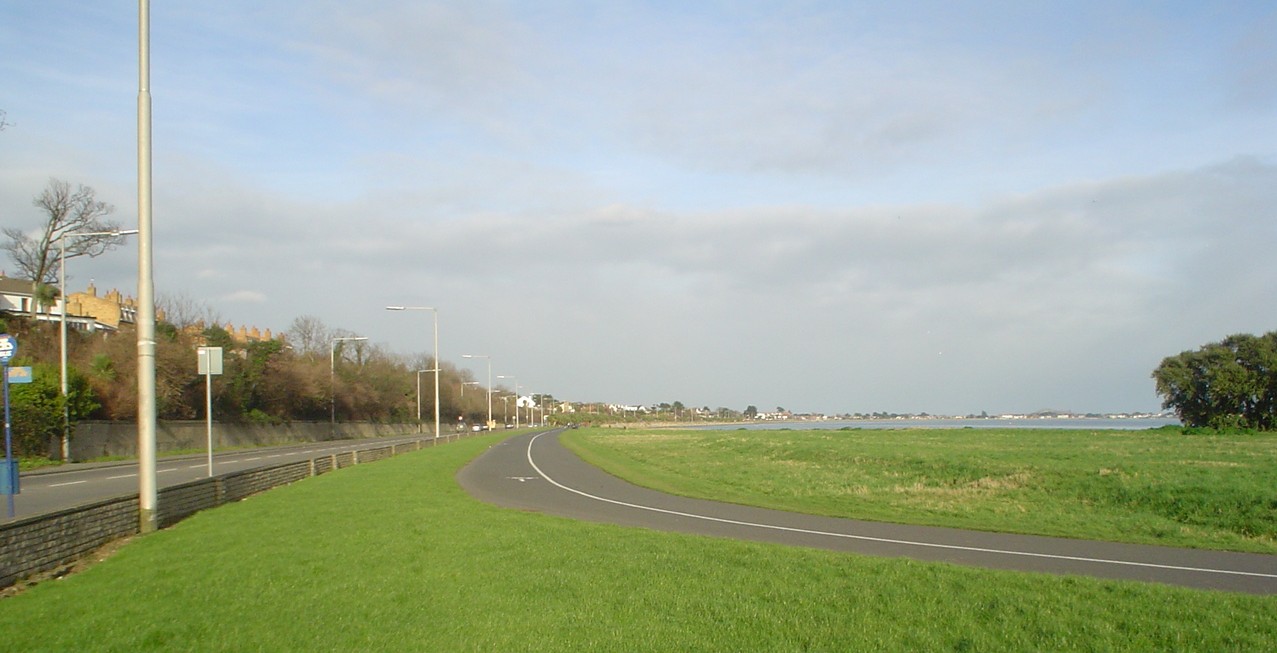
(303, 377)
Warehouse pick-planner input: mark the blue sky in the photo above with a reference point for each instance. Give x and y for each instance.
(826, 206)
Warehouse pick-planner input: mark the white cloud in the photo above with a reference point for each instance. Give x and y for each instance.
(831, 207)
(245, 296)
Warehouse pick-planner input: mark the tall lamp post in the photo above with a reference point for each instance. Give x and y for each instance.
(147, 492)
(62, 288)
(332, 379)
(436, 325)
(516, 399)
(489, 359)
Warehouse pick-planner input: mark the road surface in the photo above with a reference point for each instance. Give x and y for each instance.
(534, 472)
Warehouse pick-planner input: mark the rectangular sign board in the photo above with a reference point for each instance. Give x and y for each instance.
(209, 360)
(19, 375)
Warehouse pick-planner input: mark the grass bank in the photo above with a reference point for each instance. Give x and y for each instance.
(393, 556)
(1152, 487)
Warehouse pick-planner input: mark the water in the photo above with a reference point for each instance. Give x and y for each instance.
(1080, 423)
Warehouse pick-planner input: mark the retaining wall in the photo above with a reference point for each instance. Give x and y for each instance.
(100, 439)
(43, 543)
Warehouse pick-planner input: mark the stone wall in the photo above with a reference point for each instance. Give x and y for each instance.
(102, 439)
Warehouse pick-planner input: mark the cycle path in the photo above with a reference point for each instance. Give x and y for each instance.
(535, 472)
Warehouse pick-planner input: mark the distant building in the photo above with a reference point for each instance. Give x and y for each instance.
(88, 312)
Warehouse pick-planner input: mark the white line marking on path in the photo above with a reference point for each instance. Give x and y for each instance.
(66, 484)
(112, 478)
(867, 538)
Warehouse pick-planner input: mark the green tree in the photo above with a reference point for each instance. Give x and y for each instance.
(1226, 384)
(36, 407)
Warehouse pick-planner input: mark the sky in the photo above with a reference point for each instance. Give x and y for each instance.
(837, 207)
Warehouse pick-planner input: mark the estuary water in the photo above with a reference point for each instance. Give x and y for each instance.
(1081, 423)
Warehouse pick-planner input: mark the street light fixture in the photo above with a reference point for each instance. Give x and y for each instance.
(332, 378)
(436, 369)
(489, 359)
(62, 288)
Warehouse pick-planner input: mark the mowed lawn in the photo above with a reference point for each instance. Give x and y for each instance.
(1151, 487)
(394, 556)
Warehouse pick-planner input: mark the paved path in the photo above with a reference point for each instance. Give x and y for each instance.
(534, 472)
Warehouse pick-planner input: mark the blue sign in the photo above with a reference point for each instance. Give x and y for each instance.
(8, 347)
(19, 374)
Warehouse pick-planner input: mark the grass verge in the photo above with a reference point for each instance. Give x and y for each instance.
(393, 556)
(1151, 487)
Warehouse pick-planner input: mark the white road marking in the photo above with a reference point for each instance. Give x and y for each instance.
(112, 478)
(867, 538)
(66, 484)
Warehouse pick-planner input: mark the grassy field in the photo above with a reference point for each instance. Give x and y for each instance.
(1153, 487)
(393, 556)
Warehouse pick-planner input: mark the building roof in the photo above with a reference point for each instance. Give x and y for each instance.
(12, 286)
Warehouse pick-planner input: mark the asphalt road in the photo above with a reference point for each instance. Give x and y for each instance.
(534, 472)
(50, 489)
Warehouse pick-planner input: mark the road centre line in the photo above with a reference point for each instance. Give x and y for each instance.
(868, 538)
(66, 484)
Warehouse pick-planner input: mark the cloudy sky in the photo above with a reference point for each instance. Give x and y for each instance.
(827, 206)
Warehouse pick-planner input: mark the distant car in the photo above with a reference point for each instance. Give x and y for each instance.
(476, 428)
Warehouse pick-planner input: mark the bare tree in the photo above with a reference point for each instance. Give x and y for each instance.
(67, 212)
(309, 336)
(182, 311)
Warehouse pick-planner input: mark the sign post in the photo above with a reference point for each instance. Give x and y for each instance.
(209, 362)
(9, 474)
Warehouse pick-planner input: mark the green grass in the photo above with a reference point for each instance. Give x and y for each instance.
(393, 556)
(1153, 487)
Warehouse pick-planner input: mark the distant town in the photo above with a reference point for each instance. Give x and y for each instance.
(679, 412)
(1045, 414)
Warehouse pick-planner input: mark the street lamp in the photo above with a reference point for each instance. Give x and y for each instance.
(62, 288)
(436, 325)
(489, 359)
(332, 378)
(516, 399)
